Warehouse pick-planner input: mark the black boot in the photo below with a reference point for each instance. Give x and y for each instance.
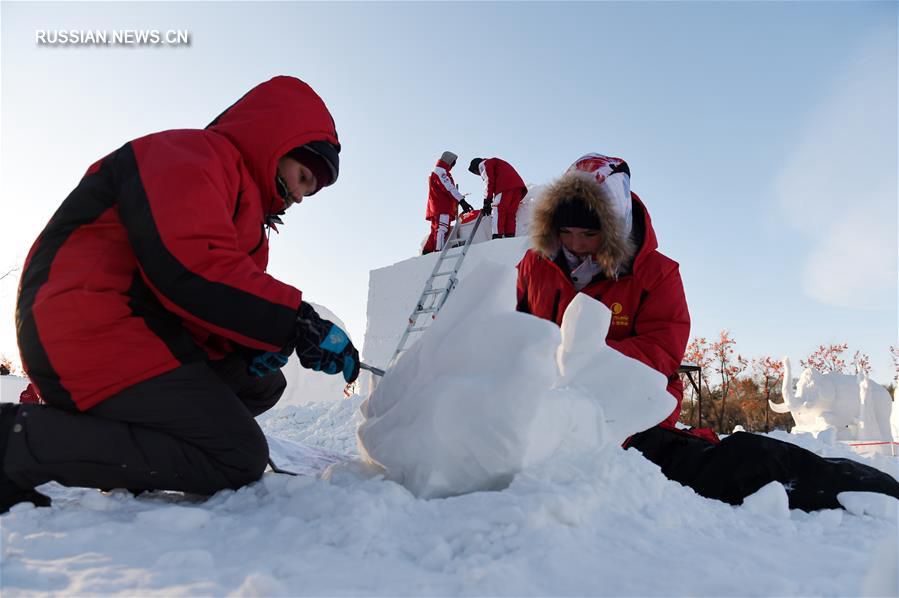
(497, 236)
(10, 492)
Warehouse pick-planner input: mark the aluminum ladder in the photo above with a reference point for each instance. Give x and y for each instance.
(434, 294)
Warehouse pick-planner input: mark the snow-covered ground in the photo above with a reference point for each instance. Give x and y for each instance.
(606, 524)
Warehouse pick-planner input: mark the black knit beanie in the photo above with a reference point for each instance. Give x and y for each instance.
(321, 158)
(572, 211)
(474, 167)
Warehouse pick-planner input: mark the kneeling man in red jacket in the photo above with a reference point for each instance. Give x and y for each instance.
(146, 319)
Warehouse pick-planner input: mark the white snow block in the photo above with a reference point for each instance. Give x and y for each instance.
(454, 414)
(771, 500)
(632, 395)
(874, 504)
(488, 391)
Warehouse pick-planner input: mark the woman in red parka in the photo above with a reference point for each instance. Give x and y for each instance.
(591, 235)
(146, 319)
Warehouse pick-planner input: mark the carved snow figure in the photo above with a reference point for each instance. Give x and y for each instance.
(894, 415)
(851, 407)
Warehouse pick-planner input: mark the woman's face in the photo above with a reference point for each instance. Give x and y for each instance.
(299, 180)
(580, 241)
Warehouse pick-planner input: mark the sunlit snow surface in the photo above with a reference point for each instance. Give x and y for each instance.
(576, 525)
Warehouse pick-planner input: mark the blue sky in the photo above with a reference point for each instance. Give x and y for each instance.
(762, 136)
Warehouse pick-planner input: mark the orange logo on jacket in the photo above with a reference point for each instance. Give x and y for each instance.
(619, 319)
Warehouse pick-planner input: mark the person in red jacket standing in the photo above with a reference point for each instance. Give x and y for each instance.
(146, 319)
(592, 235)
(444, 200)
(503, 194)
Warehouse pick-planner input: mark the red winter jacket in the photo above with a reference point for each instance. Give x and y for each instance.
(642, 287)
(500, 177)
(443, 195)
(158, 256)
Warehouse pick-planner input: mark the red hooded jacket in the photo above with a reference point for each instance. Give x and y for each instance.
(642, 287)
(157, 258)
(443, 195)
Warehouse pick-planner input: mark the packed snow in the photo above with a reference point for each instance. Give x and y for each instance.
(591, 524)
(562, 510)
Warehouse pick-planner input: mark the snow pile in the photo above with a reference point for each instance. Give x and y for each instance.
(488, 391)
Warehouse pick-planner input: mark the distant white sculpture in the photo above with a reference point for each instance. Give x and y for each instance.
(849, 407)
(894, 416)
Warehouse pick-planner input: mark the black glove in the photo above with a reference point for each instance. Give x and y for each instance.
(488, 206)
(322, 346)
(466, 207)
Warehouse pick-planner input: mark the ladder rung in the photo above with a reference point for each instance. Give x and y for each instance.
(440, 294)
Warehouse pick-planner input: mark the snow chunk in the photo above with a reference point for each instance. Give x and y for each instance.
(632, 395)
(487, 391)
(881, 506)
(771, 499)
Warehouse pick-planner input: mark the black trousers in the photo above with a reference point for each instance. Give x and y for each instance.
(742, 463)
(190, 429)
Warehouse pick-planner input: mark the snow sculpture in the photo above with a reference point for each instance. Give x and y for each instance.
(487, 392)
(894, 415)
(849, 407)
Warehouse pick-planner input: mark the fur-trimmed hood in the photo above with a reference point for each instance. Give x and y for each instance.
(618, 248)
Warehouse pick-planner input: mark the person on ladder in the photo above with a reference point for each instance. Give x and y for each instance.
(505, 190)
(444, 201)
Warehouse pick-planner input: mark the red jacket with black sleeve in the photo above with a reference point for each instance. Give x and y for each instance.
(157, 258)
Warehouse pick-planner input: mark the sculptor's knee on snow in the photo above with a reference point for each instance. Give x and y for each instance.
(247, 461)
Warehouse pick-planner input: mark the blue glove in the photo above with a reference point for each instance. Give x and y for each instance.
(323, 347)
(267, 363)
